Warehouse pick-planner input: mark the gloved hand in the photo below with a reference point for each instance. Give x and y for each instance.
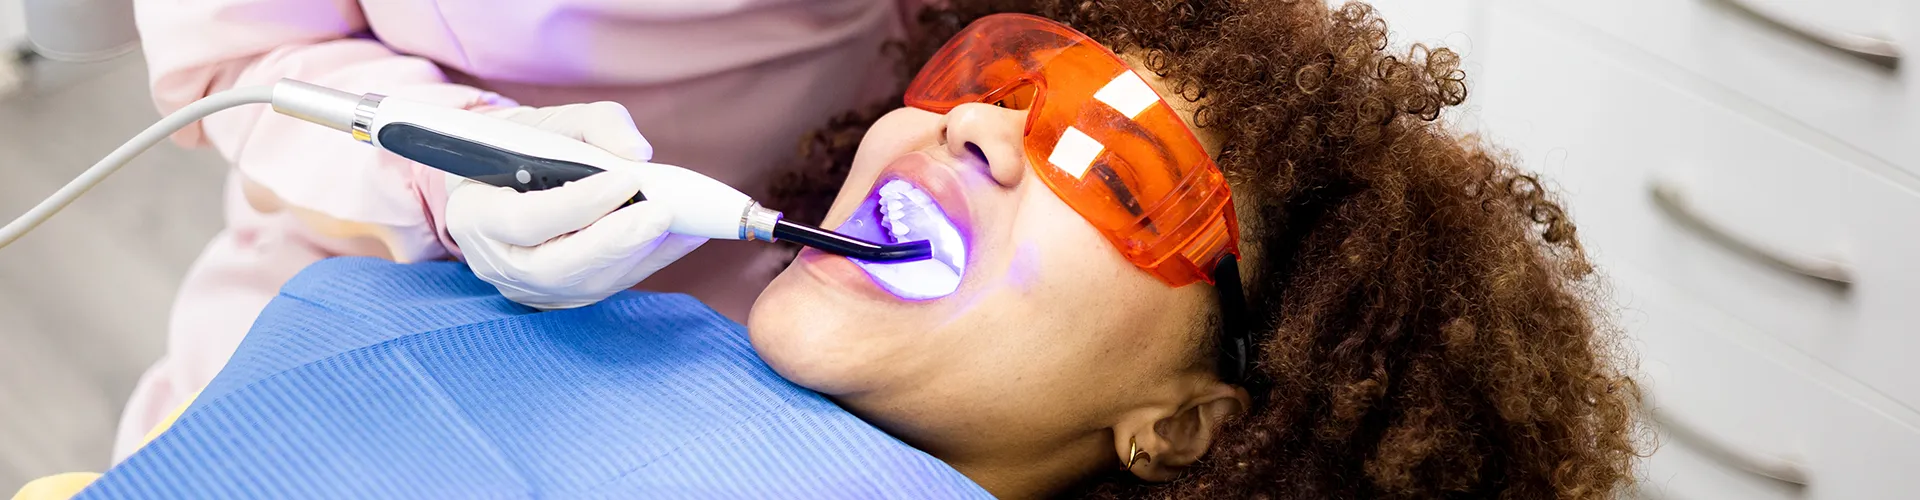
(567, 246)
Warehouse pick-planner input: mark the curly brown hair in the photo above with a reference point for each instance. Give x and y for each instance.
(1427, 318)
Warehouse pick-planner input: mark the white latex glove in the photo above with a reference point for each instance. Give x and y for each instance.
(567, 246)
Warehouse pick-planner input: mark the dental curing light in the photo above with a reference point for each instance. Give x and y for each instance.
(492, 151)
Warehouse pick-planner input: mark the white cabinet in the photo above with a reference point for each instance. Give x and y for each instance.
(1884, 348)
(1751, 198)
(1867, 448)
(1607, 132)
(1755, 66)
(1734, 415)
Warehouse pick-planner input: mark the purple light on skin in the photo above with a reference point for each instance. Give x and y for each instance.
(900, 211)
(1024, 271)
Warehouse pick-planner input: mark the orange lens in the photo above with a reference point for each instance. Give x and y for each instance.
(1097, 134)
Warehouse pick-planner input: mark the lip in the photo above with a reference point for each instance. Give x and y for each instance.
(941, 182)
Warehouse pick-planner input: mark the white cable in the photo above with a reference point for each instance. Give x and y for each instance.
(120, 156)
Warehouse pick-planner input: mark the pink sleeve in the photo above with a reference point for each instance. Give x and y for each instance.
(195, 48)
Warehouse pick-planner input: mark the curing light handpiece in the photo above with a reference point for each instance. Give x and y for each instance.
(492, 151)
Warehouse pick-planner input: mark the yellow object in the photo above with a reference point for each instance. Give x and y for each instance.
(64, 486)
(57, 486)
(363, 238)
(167, 421)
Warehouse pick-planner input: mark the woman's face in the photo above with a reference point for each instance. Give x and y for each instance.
(1045, 339)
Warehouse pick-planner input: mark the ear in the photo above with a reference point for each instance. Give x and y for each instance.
(1174, 441)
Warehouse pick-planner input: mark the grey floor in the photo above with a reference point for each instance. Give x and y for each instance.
(83, 299)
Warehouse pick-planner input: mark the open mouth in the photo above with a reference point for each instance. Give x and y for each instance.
(901, 211)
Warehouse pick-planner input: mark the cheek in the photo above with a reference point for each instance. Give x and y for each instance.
(1059, 249)
(1065, 295)
(1097, 301)
(1077, 351)
(1024, 268)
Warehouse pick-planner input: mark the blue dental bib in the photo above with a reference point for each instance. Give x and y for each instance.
(369, 379)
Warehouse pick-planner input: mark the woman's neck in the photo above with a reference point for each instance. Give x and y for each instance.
(1007, 460)
(1021, 480)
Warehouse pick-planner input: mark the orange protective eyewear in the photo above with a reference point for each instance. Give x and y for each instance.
(1097, 134)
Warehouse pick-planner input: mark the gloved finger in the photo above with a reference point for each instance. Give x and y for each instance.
(524, 115)
(531, 218)
(505, 267)
(609, 126)
(605, 124)
(671, 249)
(616, 241)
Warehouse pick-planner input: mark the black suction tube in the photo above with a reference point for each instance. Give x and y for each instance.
(840, 244)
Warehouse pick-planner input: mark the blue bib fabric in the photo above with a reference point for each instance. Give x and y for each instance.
(369, 379)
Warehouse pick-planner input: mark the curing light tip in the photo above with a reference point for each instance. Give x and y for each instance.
(840, 244)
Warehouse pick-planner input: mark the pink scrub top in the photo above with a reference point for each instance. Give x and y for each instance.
(725, 87)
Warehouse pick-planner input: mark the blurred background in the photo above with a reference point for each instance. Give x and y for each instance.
(1745, 172)
(84, 299)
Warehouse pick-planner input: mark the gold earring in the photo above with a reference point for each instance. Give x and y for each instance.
(1134, 453)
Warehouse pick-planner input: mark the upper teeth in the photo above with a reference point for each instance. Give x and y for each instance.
(903, 209)
(898, 201)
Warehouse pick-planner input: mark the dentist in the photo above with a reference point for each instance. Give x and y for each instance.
(726, 88)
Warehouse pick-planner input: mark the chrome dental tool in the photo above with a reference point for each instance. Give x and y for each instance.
(491, 151)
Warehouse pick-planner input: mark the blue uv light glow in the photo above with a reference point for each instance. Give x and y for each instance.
(925, 279)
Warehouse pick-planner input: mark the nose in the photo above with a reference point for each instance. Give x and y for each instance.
(990, 133)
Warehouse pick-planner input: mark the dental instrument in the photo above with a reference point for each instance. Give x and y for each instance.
(491, 151)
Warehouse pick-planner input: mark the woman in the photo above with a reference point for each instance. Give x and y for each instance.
(1413, 304)
(1423, 315)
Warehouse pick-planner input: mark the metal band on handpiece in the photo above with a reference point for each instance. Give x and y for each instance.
(757, 223)
(363, 117)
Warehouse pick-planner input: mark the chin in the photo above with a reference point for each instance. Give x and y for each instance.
(808, 339)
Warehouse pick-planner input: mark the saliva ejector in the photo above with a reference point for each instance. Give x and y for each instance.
(492, 151)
